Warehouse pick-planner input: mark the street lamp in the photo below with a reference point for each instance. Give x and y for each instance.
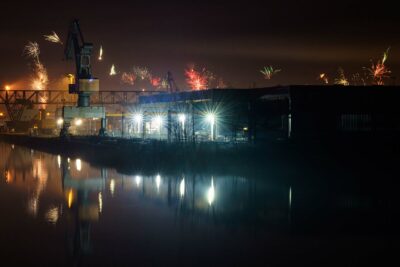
(210, 118)
(138, 118)
(182, 119)
(60, 122)
(78, 165)
(78, 122)
(157, 123)
(182, 187)
(211, 193)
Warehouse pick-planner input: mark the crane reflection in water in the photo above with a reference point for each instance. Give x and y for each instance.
(69, 193)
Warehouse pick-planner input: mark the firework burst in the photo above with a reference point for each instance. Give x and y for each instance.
(156, 82)
(164, 84)
(379, 72)
(128, 78)
(142, 72)
(342, 80)
(113, 72)
(197, 80)
(40, 78)
(32, 50)
(53, 37)
(324, 78)
(269, 72)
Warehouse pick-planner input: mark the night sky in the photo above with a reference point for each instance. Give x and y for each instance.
(233, 40)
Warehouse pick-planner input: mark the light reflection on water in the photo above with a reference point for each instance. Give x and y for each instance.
(89, 202)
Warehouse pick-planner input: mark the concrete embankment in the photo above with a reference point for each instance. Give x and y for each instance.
(278, 160)
(129, 154)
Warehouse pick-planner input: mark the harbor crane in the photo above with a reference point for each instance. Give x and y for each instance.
(83, 84)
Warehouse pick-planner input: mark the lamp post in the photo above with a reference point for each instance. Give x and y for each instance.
(182, 119)
(211, 119)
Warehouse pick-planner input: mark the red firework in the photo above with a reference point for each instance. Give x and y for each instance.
(155, 81)
(195, 79)
(128, 78)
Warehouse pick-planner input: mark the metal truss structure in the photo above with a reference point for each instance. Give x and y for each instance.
(15, 100)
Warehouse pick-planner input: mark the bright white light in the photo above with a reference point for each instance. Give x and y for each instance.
(60, 122)
(78, 122)
(78, 165)
(138, 179)
(211, 193)
(59, 161)
(158, 120)
(158, 182)
(210, 117)
(69, 160)
(182, 187)
(138, 118)
(112, 187)
(157, 123)
(182, 120)
(100, 197)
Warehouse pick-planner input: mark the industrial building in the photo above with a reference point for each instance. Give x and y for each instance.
(305, 112)
(256, 115)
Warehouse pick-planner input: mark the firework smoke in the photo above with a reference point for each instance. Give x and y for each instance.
(269, 71)
(342, 80)
(221, 84)
(356, 79)
(40, 79)
(53, 37)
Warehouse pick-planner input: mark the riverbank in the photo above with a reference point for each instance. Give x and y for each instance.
(285, 158)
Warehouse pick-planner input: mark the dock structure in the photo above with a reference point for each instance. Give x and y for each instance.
(300, 112)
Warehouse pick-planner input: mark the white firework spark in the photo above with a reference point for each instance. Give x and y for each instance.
(101, 53)
(113, 71)
(32, 50)
(142, 72)
(53, 37)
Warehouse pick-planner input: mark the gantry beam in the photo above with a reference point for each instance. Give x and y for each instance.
(61, 97)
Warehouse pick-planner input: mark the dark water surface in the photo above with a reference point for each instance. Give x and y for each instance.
(56, 211)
